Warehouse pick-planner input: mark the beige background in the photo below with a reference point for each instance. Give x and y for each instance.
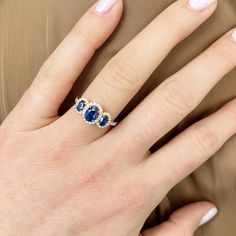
(31, 29)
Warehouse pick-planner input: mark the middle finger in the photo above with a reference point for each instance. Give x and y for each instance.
(176, 97)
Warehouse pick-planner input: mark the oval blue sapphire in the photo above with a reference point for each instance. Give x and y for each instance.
(81, 105)
(104, 121)
(91, 114)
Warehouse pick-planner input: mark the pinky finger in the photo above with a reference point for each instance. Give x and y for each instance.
(185, 221)
(192, 148)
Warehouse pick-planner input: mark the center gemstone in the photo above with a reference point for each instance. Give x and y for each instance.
(91, 114)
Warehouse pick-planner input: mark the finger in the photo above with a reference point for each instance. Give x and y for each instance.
(125, 74)
(176, 97)
(185, 221)
(190, 149)
(59, 72)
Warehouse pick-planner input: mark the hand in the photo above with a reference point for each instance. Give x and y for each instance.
(60, 176)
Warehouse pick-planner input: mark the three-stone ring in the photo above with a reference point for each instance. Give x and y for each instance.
(93, 113)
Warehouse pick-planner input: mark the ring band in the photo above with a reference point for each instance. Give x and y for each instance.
(93, 113)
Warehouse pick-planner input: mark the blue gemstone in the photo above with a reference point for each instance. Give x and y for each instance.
(104, 121)
(81, 105)
(91, 114)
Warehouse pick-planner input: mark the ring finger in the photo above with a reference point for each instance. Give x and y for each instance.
(59, 72)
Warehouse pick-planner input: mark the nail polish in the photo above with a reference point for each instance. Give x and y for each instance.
(200, 4)
(208, 216)
(104, 6)
(234, 35)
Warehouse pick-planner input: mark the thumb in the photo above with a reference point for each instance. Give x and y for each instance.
(184, 221)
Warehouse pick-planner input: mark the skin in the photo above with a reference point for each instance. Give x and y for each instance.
(60, 176)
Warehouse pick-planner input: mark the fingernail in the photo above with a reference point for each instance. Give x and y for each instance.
(200, 4)
(208, 216)
(104, 6)
(234, 35)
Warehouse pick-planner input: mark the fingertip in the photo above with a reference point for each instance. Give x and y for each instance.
(190, 217)
(99, 23)
(208, 215)
(107, 8)
(201, 5)
(185, 220)
(102, 7)
(196, 214)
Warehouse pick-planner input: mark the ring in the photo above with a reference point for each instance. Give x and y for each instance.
(93, 113)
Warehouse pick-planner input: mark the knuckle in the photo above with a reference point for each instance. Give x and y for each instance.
(176, 25)
(83, 34)
(176, 174)
(12, 143)
(231, 110)
(173, 22)
(136, 140)
(96, 176)
(47, 76)
(178, 228)
(46, 70)
(122, 75)
(55, 151)
(77, 31)
(204, 140)
(224, 54)
(175, 100)
(134, 198)
(184, 169)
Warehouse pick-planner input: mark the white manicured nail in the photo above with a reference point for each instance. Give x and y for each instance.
(234, 35)
(208, 216)
(200, 4)
(103, 6)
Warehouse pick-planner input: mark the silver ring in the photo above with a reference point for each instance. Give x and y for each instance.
(93, 113)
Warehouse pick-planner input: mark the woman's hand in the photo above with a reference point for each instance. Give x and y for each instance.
(60, 176)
